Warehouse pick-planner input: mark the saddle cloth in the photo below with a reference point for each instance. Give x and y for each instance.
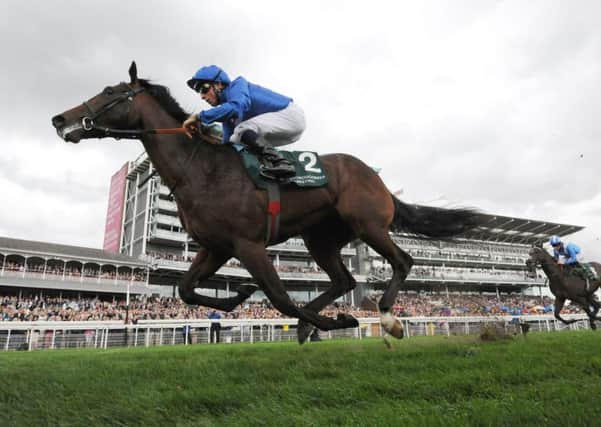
(592, 272)
(584, 271)
(309, 169)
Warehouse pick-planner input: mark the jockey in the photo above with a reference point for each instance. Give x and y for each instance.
(250, 114)
(570, 252)
(573, 258)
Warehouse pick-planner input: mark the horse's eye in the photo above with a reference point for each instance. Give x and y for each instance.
(108, 90)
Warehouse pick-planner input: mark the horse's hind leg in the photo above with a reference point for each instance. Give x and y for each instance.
(324, 244)
(204, 265)
(596, 306)
(585, 304)
(401, 262)
(255, 259)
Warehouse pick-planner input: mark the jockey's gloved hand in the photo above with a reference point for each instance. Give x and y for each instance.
(191, 125)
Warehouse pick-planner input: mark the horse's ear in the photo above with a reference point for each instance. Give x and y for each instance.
(538, 244)
(133, 72)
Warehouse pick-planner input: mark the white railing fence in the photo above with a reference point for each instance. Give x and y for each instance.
(56, 335)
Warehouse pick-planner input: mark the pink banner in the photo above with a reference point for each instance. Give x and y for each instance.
(114, 213)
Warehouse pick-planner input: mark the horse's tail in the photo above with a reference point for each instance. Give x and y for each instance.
(433, 222)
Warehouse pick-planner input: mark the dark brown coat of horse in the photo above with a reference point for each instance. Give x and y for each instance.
(221, 209)
(568, 287)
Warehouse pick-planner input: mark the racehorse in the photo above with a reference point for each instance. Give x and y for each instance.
(222, 210)
(567, 286)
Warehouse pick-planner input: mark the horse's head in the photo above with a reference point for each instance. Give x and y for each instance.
(109, 109)
(537, 257)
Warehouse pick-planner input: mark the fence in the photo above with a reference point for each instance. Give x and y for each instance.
(57, 335)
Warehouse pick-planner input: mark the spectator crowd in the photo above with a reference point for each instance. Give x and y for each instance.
(50, 308)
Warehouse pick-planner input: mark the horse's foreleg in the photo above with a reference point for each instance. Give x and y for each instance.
(204, 265)
(255, 259)
(559, 303)
(342, 282)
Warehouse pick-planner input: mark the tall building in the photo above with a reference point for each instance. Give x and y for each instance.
(142, 217)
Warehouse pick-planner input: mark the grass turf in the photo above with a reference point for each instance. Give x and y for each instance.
(546, 379)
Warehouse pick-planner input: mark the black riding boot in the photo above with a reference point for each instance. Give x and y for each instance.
(273, 165)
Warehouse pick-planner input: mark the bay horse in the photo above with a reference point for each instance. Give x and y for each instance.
(222, 210)
(567, 287)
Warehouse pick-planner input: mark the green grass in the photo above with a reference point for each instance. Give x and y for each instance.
(551, 379)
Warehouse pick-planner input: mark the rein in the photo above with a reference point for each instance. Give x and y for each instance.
(138, 133)
(135, 133)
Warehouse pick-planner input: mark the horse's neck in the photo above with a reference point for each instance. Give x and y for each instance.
(171, 155)
(552, 271)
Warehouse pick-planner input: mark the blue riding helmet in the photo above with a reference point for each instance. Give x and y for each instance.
(211, 74)
(554, 240)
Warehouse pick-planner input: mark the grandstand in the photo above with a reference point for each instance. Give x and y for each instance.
(55, 269)
(490, 259)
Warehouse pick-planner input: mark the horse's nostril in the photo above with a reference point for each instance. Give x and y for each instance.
(58, 121)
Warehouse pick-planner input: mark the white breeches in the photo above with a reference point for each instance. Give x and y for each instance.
(278, 128)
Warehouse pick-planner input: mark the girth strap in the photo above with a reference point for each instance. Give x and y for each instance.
(273, 213)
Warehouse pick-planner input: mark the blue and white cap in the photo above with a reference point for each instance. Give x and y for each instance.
(554, 240)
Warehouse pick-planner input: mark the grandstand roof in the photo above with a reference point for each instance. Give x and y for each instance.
(44, 249)
(506, 229)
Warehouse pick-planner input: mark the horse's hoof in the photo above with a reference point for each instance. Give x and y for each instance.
(304, 331)
(387, 343)
(392, 325)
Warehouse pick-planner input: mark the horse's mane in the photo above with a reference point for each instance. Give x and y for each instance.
(163, 96)
(544, 252)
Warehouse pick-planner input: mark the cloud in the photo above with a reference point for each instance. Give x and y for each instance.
(491, 104)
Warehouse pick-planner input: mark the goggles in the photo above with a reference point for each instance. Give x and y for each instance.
(201, 87)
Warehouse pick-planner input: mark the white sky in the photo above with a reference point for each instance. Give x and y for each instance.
(493, 105)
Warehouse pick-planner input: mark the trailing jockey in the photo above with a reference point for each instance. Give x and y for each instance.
(572, 255)
(251, 115)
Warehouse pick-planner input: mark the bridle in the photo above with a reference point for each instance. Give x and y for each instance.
(536, 261)
(88, 122)
(531, 264)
